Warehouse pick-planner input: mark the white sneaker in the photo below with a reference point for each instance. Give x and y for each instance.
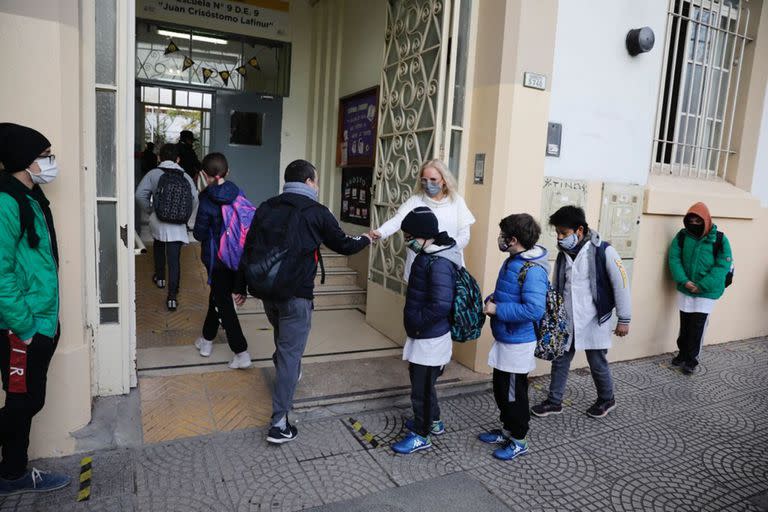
(241, 361)
(204, 346)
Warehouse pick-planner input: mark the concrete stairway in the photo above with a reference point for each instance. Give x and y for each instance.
(340, 290)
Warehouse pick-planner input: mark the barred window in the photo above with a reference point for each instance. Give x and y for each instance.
(705, 42)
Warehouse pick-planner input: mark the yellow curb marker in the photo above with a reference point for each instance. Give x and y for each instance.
(86, 472)
(367, 436)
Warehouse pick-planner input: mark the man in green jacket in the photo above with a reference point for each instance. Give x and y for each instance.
(29, 301)
(700, 259)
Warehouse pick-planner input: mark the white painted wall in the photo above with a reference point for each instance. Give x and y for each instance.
(605, 99)
(362, 45)
(293, 142)
(760, 179)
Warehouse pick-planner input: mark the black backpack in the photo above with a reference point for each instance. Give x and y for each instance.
(274, 254)
(715, 251)
(173, 198)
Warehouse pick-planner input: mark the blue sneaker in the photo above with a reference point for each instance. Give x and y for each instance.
(412, 443)
(438, 427)
(34, 481)
(512, 449)
(495, 436)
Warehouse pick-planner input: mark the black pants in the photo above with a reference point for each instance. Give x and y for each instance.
(172, 252)
(511, 393)
(22, 367)
(691, 336)
(424, 397)
(221, 309)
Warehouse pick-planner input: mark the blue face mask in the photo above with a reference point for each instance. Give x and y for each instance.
(570, 242)
(415, 245)
(432, 189)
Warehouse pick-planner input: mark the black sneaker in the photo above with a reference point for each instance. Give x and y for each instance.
(677, 361)
(172, 304)
(688, 367)
(280, 436)
(160, 283)
(601, 408)
(546, 408)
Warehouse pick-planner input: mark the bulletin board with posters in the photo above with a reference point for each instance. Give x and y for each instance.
(356, 185)
(358, 123)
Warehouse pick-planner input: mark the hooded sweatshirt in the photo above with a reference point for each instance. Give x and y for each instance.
(163, 231)
(429, 299)
(696, 261)
(209, 220)
(519, 307)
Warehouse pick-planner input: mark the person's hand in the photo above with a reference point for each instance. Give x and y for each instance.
(27, 341)
(239, 299)
(621, 330)
(368, 236)
(691, 287)
(375, 235)
(489, 308)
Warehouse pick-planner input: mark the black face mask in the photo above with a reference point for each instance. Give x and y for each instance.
(696, 230)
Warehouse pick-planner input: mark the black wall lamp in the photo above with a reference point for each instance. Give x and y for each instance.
(640, 40)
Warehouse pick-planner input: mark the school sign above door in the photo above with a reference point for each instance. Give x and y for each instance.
(266, 19)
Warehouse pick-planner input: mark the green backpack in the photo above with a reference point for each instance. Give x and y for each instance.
(467, 317)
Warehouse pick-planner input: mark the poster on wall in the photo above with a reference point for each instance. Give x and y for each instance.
(358, 122)
(255, 18)
(356, 183)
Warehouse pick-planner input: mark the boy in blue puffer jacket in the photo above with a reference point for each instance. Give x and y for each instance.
(514, 309)
(428, 304)
(208, 228)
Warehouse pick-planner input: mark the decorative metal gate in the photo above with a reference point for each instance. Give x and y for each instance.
(410, 120)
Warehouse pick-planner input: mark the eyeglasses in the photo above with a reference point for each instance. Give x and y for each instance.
(49, 159)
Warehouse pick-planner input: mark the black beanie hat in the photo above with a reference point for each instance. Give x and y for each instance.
(421, 223)
(20, 146)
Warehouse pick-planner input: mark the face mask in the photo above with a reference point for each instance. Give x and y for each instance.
(432, 189)
(570, 242)
(48, 171)
(416, 246)
(695, 229)
(503, 245)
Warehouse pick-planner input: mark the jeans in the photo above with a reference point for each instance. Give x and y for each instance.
(172, 252)
(25, 375)
(291, 321)
(511, 393)
(424, 396)
(692, 326)
(598, 366)
(221, 309)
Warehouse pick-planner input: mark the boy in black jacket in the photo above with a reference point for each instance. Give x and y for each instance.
(428, 305)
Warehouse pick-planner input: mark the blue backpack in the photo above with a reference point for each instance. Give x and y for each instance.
(552, 330)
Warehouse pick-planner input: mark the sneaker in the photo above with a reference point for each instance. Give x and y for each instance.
(172, 304)
(677, 361)
(688, 368)
(601, 408)
(276, 435)
(512, 449)
(34, 481)
(160, 283)
(438, 427)
(241, 361)
(546, 408)
(412, 443)
(204, 346)
(495, 436)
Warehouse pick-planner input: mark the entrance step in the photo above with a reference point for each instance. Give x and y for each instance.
(341, 276)
(326, 297)
(334, 260)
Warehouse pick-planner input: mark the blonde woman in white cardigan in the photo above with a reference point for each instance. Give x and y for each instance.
(436, 189)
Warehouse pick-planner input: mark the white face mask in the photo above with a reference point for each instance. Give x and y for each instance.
(48, 171)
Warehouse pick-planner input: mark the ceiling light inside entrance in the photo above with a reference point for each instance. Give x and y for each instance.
(202, 39)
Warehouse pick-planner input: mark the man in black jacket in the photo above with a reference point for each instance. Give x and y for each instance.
(291, 317)
(188, 159)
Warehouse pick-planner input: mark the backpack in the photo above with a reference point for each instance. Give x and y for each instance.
(716, 248)
(272, 258)
(467, 317)
(173, 199)
(552, 330)
(237, 219)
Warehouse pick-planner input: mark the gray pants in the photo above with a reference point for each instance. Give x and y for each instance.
(291, 320)
(598, 366)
